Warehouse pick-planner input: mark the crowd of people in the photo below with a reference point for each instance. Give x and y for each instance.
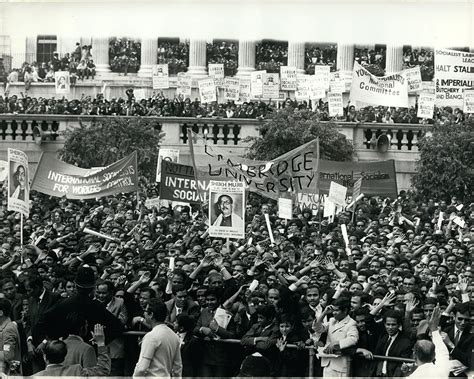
(175, 54)
(160, 106)
(124, 55)
(403, 276)
(320, 55)
(226, 53)
(271, 55)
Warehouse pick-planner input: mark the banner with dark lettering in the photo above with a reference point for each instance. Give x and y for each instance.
(390, 91)
(56, 178)
(453, 72)
(178, 183)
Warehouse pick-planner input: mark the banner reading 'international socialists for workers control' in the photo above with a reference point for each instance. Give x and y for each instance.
(389, 91)
(56, 178)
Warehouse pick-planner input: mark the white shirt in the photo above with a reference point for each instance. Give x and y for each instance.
(440, 368)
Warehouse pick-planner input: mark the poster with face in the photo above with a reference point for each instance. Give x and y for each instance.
(18, 184)
(62, 82)
(227, 209)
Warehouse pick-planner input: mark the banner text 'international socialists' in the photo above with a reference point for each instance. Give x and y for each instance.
(56, 178)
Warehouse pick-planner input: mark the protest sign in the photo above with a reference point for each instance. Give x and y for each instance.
(356, 189)
(303, 86)
(306, 200)
(3, 170)
(139, 93)
(428, 87)
(170, 155)
(226, 209)
(413, 76)
(468, 96)
(18, 182)
(178, 183)
(453, 72)
(160, 76)
(426, 102)
(56, 178)
(337, 86)
(337, 194)
(207, 90)
(62, 82)
(256, 83)
(391, 90)
(271, 86)
(285, 208)
(244, 90)
(329, 208)
(335, 104)
(155, 203)
(216, 71)
(231, 89)
(316, 89)
(288, 78)
(184, 84)
(322, 76)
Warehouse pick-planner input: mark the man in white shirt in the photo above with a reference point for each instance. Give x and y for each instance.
(432, 358)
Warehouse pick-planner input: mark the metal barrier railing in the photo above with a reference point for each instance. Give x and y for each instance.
(311, 351)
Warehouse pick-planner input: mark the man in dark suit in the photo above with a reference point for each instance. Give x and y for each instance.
(459, 339)
(394, 343)
(181, 303)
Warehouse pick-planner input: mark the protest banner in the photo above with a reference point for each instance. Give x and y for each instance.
(216, 71)
(178, 183)
(62, 82)
(226, 209)
(170, 155)
(453, 72)
(322, 76)
(468, 96)
(3, 170)
(293, 171)
(271, 86)
(426, 102)
(285, 208)
(390, 91)
(356, 188)
(335, 104)
(256, 83)
(337, 194)
(56, 178)
(231, 89)
(288, 78)
(413, 76)
(160, 76)
(18, 182)
(207, 90)
(184, 85)
(244, 90)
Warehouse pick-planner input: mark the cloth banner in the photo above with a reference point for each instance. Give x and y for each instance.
(226, 209)
(288, 78)
(271, 86)
(56, 178)
(453, 72)
(231, 89)
(207, 90)
(216, 71)
(18, 182)
(468, 95)
(170, 155)
(426, 102)
(389, 91)
(335, 104)
(62, 82)
(184, 85)
(244, 90)
(256, 83)
(160, 76)
(413, 76)
(178, 183)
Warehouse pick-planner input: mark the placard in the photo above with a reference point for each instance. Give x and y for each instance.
(139, 93)
(337, 85)
(184, 85)
(285, 208)
(468, 96)
(170, 155)
(413, 76)
(62, 82)
(231, 89)
(160, 77)
(337, 194)
(3, 170)
(207, 90)
(227, 209)
(288, 78)
(426, 102)
(18, 182)
(335, 104)
(244, 90)
(256, 83)
(356, 189)
(271, 86)
(322, 76)
(216, 71)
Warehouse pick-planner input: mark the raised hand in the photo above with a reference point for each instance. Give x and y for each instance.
(434, 319)
(281, 344)
(411, 304)
(98, 335)
(463, 284)
(330, 264)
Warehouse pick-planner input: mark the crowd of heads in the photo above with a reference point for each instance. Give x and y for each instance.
(124, 55)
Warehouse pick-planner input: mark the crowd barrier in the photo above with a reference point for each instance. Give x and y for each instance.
(311, 351)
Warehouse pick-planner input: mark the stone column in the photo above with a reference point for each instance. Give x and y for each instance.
(148, 56)
(393, 59)
(345, 57)
(100, 55)
(197, 57)
(296, 56)
(247, 53)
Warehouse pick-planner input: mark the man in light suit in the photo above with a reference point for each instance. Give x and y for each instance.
(341, 334)
(224, 208)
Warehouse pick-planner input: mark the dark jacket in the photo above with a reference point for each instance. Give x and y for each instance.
(401, 347)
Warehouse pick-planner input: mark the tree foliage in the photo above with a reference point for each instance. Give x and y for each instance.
(445, 168)
(109, 139)
(288, 129)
